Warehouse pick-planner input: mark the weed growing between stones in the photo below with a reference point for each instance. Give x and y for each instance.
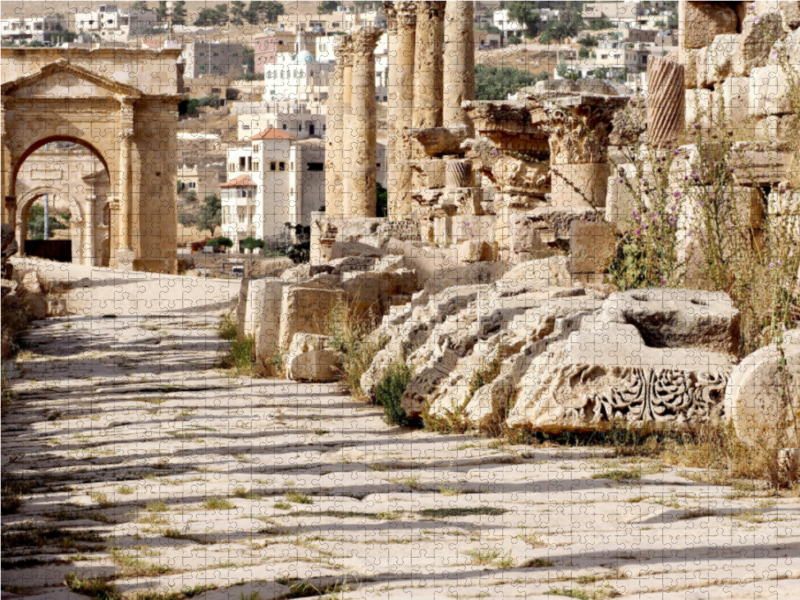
(349, 330)
(390, 391)
(241, 352)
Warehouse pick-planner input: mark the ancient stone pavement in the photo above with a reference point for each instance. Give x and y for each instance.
(147, 463)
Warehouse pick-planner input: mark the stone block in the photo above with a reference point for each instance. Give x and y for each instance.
(468, 227)
(703, 21)
(775, 128)
(690, 69)
(592, 246)
(755, 42)
(754, 402)
(790, 11)
(719, 58)
(306, 310)
(473, 251)
(579, 185)
(762, 164)
(310, 358)
(261, 317)
(699, 108)
(701, 70)
(734, 104)
(620, 200)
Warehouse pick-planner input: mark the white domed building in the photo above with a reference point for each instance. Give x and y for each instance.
(297, 76)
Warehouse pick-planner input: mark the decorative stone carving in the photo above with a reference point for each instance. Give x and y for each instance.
(665, 100)
(458, 173)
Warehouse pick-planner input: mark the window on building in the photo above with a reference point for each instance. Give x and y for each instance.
(202, 54)
(291, 166)
(311, 130)
(315, 166)
(192, 185)
(232, 167)
(249, 163)
(256, 165)
(299, 127)
(242, 163)
(282, 166)
(378, 165)
(245, 126)
(215, 68)
(202, 67)
(215, 54)
(272, 166)
(284, 126)
(255, 147)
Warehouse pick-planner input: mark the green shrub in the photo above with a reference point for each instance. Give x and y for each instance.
(390, 391)
(349, 330)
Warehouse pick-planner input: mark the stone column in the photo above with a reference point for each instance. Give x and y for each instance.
(428, 60)
(402, 18)
(125, 254)
(346, 52)
(334, 147)
(459, 63)
(89, 231)
(360, 136)
(578, 128)
(666, 112)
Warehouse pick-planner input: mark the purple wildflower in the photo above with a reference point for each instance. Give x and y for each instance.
(619, 180)
(638, 232)
(677, 194)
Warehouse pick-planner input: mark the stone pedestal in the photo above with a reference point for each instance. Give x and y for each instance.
(458, 174)
(125, 258)
(459, 63)
(360, 135)
(579, 185)
(665, 101)
(428, 61)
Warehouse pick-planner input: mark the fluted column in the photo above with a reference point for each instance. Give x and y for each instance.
(402, 18)
(666, 110)
(459, 63)
(334, 151)
(125, 254)
(428, 60)
(90, 232)
(361, 127)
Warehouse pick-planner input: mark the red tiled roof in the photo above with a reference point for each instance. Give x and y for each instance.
(240, 181)
(272, 134)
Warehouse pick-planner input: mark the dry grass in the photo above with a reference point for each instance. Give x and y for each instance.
(349, 329)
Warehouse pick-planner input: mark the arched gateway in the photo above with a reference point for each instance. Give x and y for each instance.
(121, 104)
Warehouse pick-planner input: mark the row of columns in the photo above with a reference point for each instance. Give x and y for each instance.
(426, 88)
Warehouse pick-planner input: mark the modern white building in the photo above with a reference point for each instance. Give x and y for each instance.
(501, 20)
(112, 24)
(273, 181)
(34, 29)
(297, 76)
(297, 119)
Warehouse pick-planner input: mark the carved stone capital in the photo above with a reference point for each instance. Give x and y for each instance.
(365, 39)
(430, 10)
(400, 15)
(343, 51)
(579, 134)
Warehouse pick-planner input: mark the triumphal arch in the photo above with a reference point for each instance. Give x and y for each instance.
(121, 105)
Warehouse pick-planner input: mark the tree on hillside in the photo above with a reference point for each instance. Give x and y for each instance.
(525, 13)
(568, 24)
(496, 83)
(178, 12)
(210, 214)
(237, 13)
(326, 8)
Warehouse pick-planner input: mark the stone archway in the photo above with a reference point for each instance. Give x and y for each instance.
(30, 197)
(76, 95)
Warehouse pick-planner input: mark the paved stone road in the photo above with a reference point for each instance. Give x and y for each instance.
(188, 477)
